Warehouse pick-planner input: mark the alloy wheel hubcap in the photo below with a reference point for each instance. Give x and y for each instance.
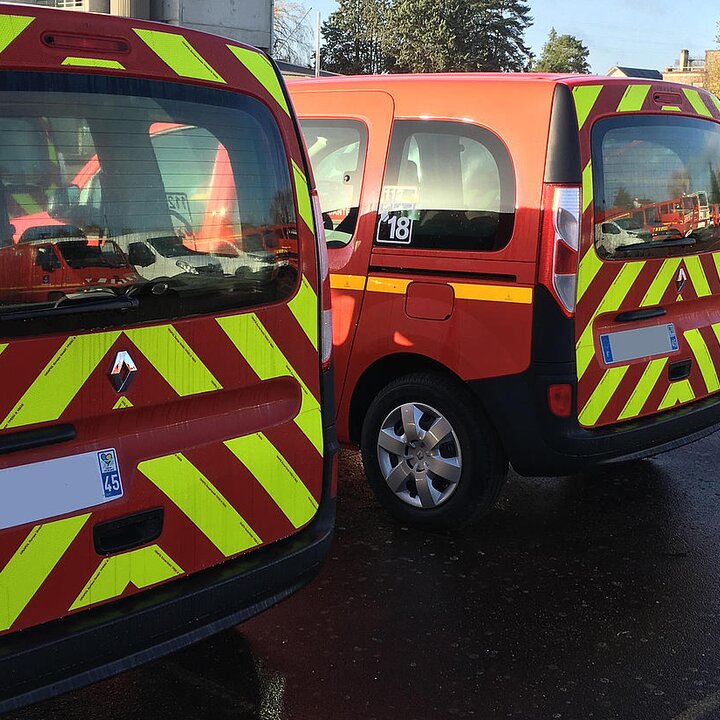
(419, 455)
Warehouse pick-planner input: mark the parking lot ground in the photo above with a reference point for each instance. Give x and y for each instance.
(596, 596)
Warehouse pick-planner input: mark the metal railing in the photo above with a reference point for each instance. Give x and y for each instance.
(61, 3)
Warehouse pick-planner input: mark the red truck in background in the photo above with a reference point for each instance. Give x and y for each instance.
(40, 271)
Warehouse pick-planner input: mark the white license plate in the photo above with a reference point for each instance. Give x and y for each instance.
(30, 493)
(628, 345)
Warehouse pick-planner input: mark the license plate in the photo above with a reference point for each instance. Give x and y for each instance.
(36, 492)
(628, 345)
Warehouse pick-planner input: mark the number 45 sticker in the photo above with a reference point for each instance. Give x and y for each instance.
(110, 473)
(394, 229)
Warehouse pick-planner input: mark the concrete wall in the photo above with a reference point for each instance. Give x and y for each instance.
(249, 21)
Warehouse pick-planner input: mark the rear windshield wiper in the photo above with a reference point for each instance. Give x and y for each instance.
(651, 244)
(81, 302)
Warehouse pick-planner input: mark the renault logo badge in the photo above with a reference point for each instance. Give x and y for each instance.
(680, 280)
(123, 371)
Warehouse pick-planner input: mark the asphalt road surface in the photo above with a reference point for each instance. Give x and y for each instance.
(596, 596)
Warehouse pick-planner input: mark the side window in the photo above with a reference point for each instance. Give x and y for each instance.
(448, 186)
(337, 153)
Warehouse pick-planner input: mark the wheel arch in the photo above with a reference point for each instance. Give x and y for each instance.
(379, 374)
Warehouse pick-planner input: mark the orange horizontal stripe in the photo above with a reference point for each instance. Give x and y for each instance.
(463, 291)
(347, 282)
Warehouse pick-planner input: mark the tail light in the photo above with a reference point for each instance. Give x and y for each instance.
(324, 285)
(560, 242)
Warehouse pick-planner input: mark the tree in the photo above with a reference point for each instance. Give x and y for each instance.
(352, 42)
(622, 198)
(460, 35)
(292, 35)
(562, 53)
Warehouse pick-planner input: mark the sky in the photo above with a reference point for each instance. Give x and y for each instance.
(633, 33)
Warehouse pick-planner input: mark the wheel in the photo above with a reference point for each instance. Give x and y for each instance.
(431, 457)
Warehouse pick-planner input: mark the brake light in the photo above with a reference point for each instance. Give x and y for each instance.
(560, 242)
(324, 284)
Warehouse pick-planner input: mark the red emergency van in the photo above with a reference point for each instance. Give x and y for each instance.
(483, 309)
(166, 422)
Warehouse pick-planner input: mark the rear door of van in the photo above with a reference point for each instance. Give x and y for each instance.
(648, 293)
(151, 430)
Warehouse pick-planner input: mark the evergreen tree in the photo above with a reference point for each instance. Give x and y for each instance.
(622, 198)
(562, 53)
(714, 194)
(460, 35)
(352, 38)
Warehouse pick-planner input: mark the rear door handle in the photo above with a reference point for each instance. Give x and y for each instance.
(29, 439)
(633, 315)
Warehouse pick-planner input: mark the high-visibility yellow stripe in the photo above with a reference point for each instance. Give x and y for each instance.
(660, 283)
(493, 293)
(122, 403)
(697, 102)
(587, 270)
(716, 260)
(179, 55)
(2, 347)
(347, 282)
(27, 202)
(601, 395)
(258, 348)
(30, 566)
(93, 62)
(585, 97)
(704, 360)
(144, 567)
(10, 27)
(716, 330)
(174, 359)
(587, 186)
(273, 472)
(633, 98)
(697, 275)
(678, 392)
(716, 102)
(304, 306)
(303, 196)
(671, 108)
(613, 299)
(644, 387)
(263, 71)
(396, 286)
(56, 386)
(202, 502)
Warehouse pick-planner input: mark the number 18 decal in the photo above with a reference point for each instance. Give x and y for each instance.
(394, 229)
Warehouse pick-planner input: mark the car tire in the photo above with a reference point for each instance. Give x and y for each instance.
(431, 457)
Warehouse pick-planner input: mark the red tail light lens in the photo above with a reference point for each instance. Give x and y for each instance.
(560, 242)
(560, 399)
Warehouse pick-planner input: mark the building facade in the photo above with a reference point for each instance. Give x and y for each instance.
(248, 21)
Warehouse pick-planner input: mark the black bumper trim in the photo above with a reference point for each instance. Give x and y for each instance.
(539, 443)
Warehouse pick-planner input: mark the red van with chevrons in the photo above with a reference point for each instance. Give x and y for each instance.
(503, 286)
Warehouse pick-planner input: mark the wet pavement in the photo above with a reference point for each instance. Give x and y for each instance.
(596, 596)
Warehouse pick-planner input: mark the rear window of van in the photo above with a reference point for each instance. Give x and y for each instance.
(184, 193)
(656, 185)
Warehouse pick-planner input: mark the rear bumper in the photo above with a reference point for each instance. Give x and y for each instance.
(84, 648)
(539, 443)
